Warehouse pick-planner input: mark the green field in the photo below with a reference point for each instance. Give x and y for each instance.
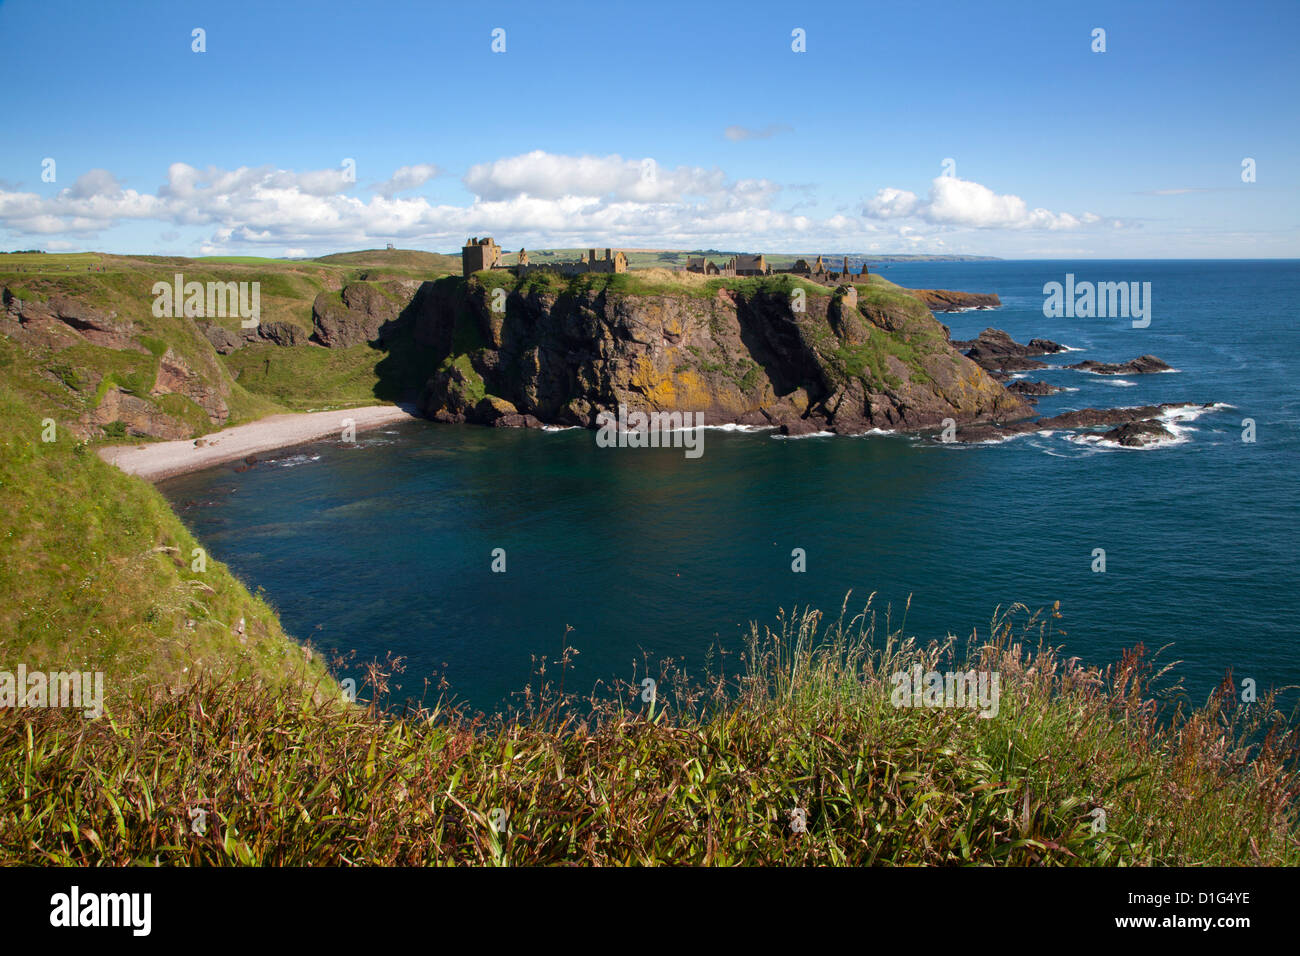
(43, 262)
(241, 260)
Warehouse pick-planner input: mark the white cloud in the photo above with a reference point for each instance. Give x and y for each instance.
(891, 203)
(961, 202)
(535, 199)
(96, 182)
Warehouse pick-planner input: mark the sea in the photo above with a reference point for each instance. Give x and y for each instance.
(639, 556)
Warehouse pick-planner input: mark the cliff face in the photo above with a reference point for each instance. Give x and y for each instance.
(359, 312)
(106, 369)
(757, 351)
(497, 350)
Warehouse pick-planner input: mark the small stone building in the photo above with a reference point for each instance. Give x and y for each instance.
(479, 254)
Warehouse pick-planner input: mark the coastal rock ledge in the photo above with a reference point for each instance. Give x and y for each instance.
(760, 352)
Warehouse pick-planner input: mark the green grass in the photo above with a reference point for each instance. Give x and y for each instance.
(311, 378)
(242, 260)
(797, 758)
(642, 283)
(98, 573)
(398, 262)
(74, 379)
(916, 335)
(48, 262)
(867, 361)
(264, 379)
(307, 377)
(474, 390)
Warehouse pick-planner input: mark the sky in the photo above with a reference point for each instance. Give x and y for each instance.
(901, 127)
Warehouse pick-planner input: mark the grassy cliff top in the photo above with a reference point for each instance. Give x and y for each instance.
(804, 760)
(659, 281)
(100, 574)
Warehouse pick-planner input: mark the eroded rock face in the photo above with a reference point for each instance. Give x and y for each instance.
(737, 357)
(1142, 365)
(50, 327)
(361, 312)
(454, 392)
(226, 340)
(93, 325)
(175, 376)
(139, 417)
(223, 339)
(282, 333)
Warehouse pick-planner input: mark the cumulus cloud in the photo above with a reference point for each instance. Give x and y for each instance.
(96, 182)
(534, 199)
(537, 196)
(961, 202)
(890, 203)
(740, 133)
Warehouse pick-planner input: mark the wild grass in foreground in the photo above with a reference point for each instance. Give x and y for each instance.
(801, 758)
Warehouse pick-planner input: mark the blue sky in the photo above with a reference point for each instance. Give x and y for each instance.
(665, 125)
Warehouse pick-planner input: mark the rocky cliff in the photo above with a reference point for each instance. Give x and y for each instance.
(751, 351)
(499, 350)
(115, 377)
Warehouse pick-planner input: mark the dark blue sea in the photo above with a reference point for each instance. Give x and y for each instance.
(386, 545)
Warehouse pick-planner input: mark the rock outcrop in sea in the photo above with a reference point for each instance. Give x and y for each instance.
(998, 353)
(1142, 365)
(947, 300)
(1134, 425)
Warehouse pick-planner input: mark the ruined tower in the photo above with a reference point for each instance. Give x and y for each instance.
(479, 254)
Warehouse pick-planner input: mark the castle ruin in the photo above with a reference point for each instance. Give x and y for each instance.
(818, 272)
(481, 254)
(756, 265)
(739, 265)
